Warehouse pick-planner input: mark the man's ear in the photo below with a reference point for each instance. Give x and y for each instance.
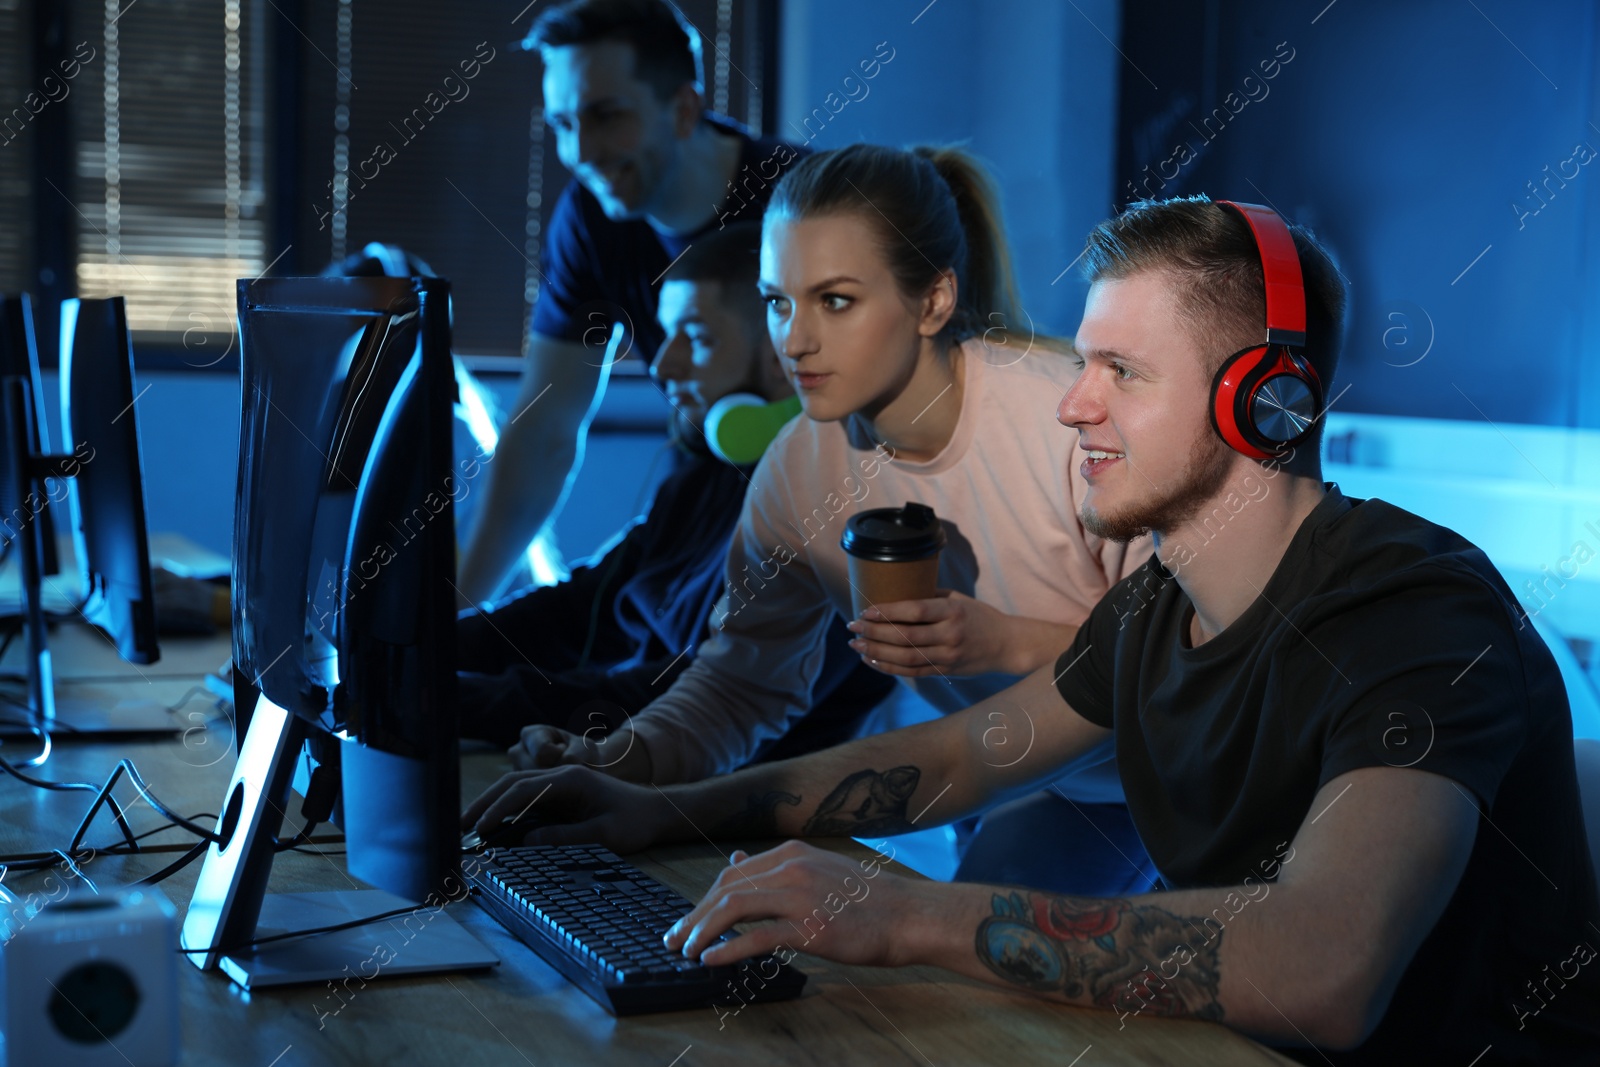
(775, 384)
(938, 305)
(687, 105)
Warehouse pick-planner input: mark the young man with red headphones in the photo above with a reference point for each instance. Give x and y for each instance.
(1352, 767)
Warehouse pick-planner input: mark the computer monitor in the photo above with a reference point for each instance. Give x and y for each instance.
(101, 472)
(100, 429)
(344, 622)
(19, 358)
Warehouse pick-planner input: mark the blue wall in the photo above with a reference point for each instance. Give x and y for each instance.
(1031, 87)
(1403, 132)
(1407, 134)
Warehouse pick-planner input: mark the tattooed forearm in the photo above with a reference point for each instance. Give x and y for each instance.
(866, 802)
(1113, 954)
(759, 817)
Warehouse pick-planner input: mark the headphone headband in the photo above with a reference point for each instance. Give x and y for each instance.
(1280, 266)
(1267, 398)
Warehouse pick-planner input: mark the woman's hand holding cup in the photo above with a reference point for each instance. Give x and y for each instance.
(950, 633)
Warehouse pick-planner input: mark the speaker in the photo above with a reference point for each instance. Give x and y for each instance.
(93, 982)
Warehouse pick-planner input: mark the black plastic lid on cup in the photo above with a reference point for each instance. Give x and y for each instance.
(893, 535)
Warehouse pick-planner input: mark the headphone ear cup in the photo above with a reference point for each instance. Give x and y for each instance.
(740, 426)
(1264, 400)
(1285, 402)
(1230, 401)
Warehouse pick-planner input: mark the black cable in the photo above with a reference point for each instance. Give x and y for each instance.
(77, 872)
(38, 760)
(410, 909)
(61, 727)
(177, 865)
(112, 850)
(120, 850)
(301, 838)
(125, 766)
(103, 795)
(33, 725)
(32, 861)
(194, 691)
(41, 783)
(57, 858)
(40, 861)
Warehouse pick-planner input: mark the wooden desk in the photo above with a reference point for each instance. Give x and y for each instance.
(523, 1011)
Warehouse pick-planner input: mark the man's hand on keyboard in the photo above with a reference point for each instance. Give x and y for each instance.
(619, 753)
(814, 901)
(565, 806)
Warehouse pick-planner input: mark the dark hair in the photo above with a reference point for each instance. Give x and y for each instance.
(731, 257)
(933, 208)
(1213, 255)
(666, 48)
(379, 260)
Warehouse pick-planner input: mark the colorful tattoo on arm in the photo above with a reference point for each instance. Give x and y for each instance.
(866, 802)
(1110, 953)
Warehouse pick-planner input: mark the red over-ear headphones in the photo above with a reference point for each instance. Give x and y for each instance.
(1266, 398)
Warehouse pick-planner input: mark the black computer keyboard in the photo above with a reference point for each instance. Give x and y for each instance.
(599, 921)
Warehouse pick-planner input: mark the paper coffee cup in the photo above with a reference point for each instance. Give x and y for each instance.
(893, 554)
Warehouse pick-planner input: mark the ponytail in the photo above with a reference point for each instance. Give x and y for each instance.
(990, 298)
(933, 208)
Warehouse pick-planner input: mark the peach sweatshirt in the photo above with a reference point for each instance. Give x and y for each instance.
(1006, 488)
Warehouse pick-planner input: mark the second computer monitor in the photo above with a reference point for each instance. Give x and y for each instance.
(99, 427)
(19, 358)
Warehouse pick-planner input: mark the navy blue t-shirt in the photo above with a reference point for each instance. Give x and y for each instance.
(598, 271)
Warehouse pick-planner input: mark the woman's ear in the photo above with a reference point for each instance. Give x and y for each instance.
(938, 305)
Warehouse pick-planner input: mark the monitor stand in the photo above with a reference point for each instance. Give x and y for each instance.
(231, 907)
(144, 717)
(73, 717)
(425, 941)
(69, 717)
(28, 471)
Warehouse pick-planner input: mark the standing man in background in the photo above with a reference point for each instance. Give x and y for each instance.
(652, 170)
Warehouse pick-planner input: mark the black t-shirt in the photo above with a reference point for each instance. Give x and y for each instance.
(598, 271)
(1380, 640)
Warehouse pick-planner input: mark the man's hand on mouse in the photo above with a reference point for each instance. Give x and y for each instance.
(619, 753)
(570, 806)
